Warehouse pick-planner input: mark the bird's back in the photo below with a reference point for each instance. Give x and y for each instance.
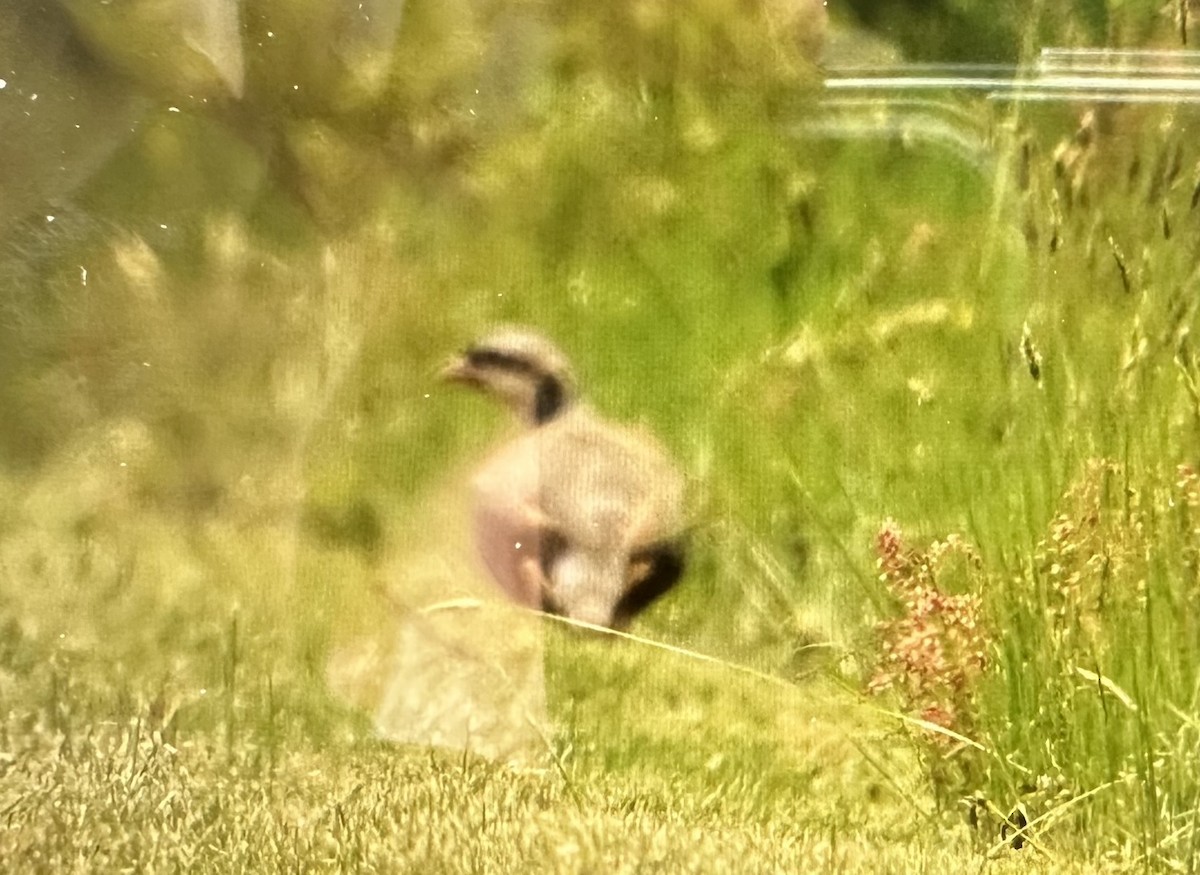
(607, 486)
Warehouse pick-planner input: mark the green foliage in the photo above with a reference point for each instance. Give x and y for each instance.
(221, 433)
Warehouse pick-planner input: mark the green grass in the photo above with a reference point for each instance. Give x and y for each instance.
(231, 477)
(130, 801)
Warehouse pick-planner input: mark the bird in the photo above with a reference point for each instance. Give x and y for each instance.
(577, 516)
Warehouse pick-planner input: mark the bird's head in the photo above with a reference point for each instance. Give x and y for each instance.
(522, 369)
(605, 588)
(586, 586)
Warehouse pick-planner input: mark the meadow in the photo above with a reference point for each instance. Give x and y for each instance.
(928, 365)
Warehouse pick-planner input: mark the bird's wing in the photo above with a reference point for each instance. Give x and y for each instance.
(607, 485)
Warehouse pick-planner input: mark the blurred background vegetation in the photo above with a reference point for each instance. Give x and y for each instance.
(240, 235)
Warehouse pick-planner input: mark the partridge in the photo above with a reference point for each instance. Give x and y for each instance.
(577, 516)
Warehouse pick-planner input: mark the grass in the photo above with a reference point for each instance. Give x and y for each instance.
(696, 775)
(233, 484)
(132, 801)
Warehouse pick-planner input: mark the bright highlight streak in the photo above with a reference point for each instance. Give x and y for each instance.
(1058, 74)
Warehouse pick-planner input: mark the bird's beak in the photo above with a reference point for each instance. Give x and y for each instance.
(456, 370)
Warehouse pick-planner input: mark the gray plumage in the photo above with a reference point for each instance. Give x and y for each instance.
(577, 515)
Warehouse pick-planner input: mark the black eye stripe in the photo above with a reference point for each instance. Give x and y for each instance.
(548, 400)
(490, 358)
(550, 392)
(667, 562)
